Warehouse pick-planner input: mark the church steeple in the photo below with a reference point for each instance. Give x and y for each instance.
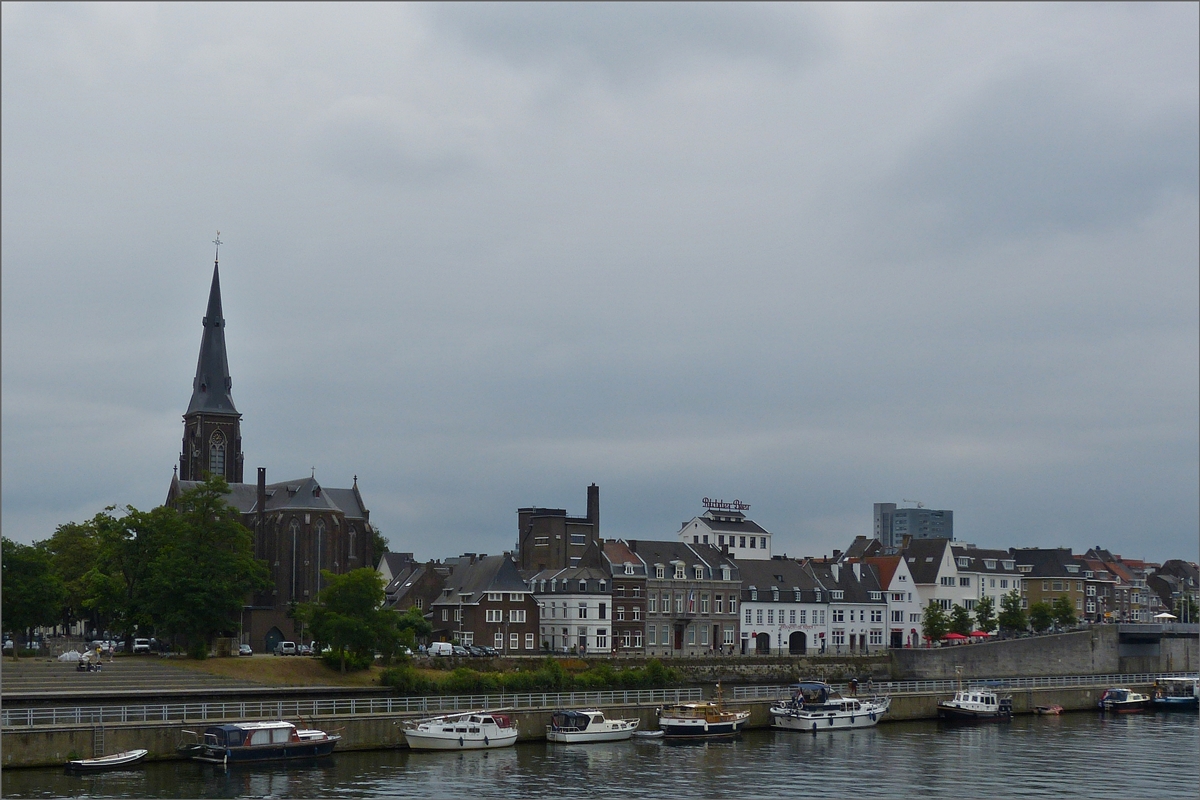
(212, 440)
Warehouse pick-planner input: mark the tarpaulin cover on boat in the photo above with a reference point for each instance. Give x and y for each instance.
(570, 719)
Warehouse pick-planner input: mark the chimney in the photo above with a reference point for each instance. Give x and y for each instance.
(593, 509)
(837, 555)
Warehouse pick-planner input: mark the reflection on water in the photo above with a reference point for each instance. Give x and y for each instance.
(1081, 754)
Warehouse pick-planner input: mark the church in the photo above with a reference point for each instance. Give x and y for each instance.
(299, 526)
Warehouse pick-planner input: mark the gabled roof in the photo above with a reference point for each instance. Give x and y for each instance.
(654, 552)
(862, 547)
(782, 573)
(479, 576)
(855, 589)
(303, 494)
(617, 553)
(979, 558)
(924, 558)
(1047, 562)
(886, 567)
(737, 524)
(212, 387)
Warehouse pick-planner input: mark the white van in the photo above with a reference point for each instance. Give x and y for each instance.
(441, 649)
(141, 645)
(285, 649)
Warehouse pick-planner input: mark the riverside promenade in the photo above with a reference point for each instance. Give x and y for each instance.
(52, 713)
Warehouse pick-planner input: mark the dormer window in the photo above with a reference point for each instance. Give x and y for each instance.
(876, 595)
(1008, 565)
(1025, 568)
(964, 562)
(660, 571)
(603, 586)
(989, 563)
(583, 586)
(725, 573)
(836, 594)
(817, 594)
(797, 593)
(753, 594)
(628, 568)
(699, 573)
(1073, 569)
(775, 593)
(680, 573)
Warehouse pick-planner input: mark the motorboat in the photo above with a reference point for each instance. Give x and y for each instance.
(113, 761)
(706, 719)
(1048, 711)
(816, 706)
(472, 730)
(1176, 694)
(589, 725)
(975, 705)
(1121, 700)
(261, 741)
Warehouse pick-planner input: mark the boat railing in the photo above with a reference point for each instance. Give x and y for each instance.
(938, 686)
(337, 707)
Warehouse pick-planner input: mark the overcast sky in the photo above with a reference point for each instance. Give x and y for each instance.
(811, 257)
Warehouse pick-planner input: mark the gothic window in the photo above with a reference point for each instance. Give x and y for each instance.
(353, 552)
(294, 527)
(216, 453)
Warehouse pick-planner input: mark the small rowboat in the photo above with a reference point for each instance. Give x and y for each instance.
(649, 734)
(108, 762)
(1054, 710)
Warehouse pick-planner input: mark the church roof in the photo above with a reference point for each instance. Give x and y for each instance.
(304, 494)
(212, 387)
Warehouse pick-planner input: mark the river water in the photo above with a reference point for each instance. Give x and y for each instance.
(1075, 755)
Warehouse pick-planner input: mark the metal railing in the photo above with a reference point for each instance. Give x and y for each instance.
(334, 707)
(951, 685)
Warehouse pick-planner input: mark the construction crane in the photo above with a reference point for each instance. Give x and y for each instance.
(918, 502)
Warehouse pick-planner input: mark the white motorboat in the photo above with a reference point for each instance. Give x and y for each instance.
(975, 705)
(589, 725)
(815, 706)
(472, 730)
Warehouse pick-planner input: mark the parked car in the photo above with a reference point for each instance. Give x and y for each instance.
(476, 651)
(490, 651)
(304, 650)
(141, 646)
(285, 649)
(459, 650)
(245, 650)
(441, 649)
(8, 645)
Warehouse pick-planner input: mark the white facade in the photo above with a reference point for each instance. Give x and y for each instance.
(743, 538)
(779, 614)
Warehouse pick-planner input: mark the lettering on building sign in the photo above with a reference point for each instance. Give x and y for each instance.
(721, 505)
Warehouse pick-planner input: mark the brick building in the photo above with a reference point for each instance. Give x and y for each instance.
(486, 602)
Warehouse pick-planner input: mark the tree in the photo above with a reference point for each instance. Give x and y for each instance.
(379, 544)
(1041, 616)
(33, 594)
(205, 568)
(349, 616)
(1186, 609)
(1012, 616)
(960, 620)
(1064, 614)
(73, 551)
(935, 622)
(985, 614)
(413, 627)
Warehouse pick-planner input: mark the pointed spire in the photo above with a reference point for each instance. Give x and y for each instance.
(212, 387)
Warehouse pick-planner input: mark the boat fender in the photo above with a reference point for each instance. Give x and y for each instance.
(831, 720)
(485, 741)
(872, 716)
(851, 719)
(460, 741)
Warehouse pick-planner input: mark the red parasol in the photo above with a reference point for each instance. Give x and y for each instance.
(955, 636)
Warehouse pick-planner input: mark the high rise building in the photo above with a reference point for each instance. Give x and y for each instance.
(893, 524)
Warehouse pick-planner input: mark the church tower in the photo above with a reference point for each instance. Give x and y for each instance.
(212, 429)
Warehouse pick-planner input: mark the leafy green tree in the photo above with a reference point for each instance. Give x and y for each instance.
(413, 627)
(934, 621)
(985, 615)
(1012, 616)
(960, 620)
(1186, 609)
(1064, 614)
(73, 549)
(33, 594)
(1041, 616)
(379, 544)
(349, 617)
(205, 568)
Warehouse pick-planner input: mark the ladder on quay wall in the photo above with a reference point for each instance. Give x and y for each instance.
(98, 740)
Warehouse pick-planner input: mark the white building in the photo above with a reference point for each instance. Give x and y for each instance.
(575, 609)
(784, 608)
(724, 525)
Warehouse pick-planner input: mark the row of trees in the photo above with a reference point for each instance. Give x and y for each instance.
(1041, 616)
(179, 572)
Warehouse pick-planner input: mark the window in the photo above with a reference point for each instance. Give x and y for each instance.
(758, 616)
(839, 615)
(628, 568)
(964, 562)
(651, 634)
(993, 582)
(947, 580)
(989, 563)
(660, 571)
(1091, 591)
(876, 595)
(836, 594)
(541, 541)
(753, 593)
(603, 586)
(774, 594)
(499, 640)
(770, 616)
(699, 573)
(945, 604)
(717, 603)
(969, 605)
(679, 572)
(728, 633)
(742, 541)
(877, 637)
(839, 636)
(620, 613)
(914, 618)
(753, 542)
(458, 615)
(620, 589)
(583, 611)
(696, 538)
(1057, 586)
(468, 638)
(495, 615)
(1009, 565)
(216, 454)
(1045, 586)
(516, 615)
(445, 614)
(652, 603)
(748, 620)
(637, 613)
(578, 538)
(725, 573)
(721, 540)
(419, 602)
(732, 604)
(876, 615)
(603, 611)
(703, 634)
(583, 586)
(665, 636)
(1004, 583)
(514, 641)
(495, 597)
(691, 634)
(637, 638)
(791, 616)
(635, 591)
(797, 597)
(762, 543)
(898, 616)
(803, 616)
(679, 602)
(964, 581)
(529, 641)
(1079, 586)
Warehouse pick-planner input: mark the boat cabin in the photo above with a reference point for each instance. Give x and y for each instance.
(251, 734)
(472, 723)
(574, 720)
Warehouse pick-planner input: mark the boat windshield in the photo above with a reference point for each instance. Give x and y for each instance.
(810, 692)
(570, 719)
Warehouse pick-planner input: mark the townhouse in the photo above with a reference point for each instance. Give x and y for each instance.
(627, 574)
(784, 608)
(573, 609)
(936, 576)
(485, 601)
(856, 605)
(691, 598)
(904, 610)
(1048, 574)
(993, 572)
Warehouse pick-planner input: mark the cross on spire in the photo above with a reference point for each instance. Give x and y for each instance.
(217, 242)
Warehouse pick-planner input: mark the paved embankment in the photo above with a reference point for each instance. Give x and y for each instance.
(53, 745)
